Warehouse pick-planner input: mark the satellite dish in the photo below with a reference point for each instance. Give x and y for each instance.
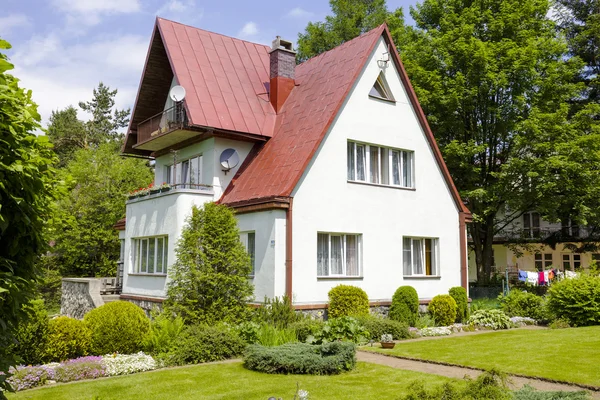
(177, 93)
(229, 159)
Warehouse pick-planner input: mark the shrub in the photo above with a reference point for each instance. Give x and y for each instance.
(377, 326)
(340, 329)
(90, 367)
(522, 304)
(347, 301)
(122, 364)
(529, 393)
(248, 331)
(443, 309)
(29, 377)
(405, 305)
(485, 304)
(306, 327)
(164, 331)
(301, 358)
(203, 343)
(459, 294)
(576, 300)
(277, 312)
(268, 335)
(493, 319)
(67, 338)
(425, 321)
(119, 326)
(559, 324)
(32, 334)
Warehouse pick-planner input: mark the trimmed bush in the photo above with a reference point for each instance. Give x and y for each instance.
(443, 309)
(117, 327)
(306, 327)
(203, 343)
(302, 358)
(522, 304)
(459, 294)
(491, 319)
(67, 338)
(32, 334)
(576, 300)
(347, 301)
(405, 305)
(377, 326)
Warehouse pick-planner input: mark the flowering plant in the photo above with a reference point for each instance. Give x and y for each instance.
(522, 321)
(436, 331)
(27, 377)
(89, 367)
(142, 191)
(386, 338)
(122, 364)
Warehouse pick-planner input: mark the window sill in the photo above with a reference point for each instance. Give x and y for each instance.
(382, 185)
(335, 278)
(146, 274)
(422, 277)
(382, 99)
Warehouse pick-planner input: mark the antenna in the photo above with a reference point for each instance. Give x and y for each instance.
(229, 159)
(177, 93)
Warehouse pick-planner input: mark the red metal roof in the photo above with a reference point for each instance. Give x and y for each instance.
(226, 79)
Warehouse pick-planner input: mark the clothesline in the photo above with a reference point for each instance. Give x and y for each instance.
(544, 278)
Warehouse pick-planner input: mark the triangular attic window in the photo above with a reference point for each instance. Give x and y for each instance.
(380, 89)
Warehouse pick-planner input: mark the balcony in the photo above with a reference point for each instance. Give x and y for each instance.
(572, 233)
(154, 192)
(164, 129)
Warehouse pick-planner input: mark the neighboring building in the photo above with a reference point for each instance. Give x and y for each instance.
(339, 178)
(530, 243)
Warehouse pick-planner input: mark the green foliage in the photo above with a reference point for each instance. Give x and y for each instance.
(559, 324)
(209, 280)
(491, 319)
(459, 294)
(576, 300)
(347, 301)
(443, 309)
(340, 329)
(306, 328)
(26, 191)
(117, 327)
(405, 305)
(67, 133)
(301, 358)
(67, 338)
(485, 304)
(425, 321)
(529, 393)
(377, 326)
(523, 304)
(49, 287)
(163, 333)
(278, 312)
(203, 343)
(268, 335)
(32, 334)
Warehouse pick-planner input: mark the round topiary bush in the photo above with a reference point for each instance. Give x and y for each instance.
(67, 338)
(443, 309)
(119, 326)
(405, 305)
(576, 300)
(523, 304)
(345, 301)
(459, 294)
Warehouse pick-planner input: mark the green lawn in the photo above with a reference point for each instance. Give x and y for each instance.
(564, 354)
(233, 381)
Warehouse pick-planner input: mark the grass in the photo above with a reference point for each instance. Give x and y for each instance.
(233, 381)
(571, 355)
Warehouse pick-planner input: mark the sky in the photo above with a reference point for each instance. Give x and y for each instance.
(62, 49)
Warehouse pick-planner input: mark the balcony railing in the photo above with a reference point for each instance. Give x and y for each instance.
(169, 188)
(162, 123)
(559, 234)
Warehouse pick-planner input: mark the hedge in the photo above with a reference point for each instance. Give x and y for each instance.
(405, 305)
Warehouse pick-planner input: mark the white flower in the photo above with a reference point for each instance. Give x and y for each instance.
(302, 394)
(122, 364)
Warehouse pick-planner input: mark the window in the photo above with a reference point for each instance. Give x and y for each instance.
(420, 256)
(543, 261)
(150, 255)
(186, 174)
(380, 89)
(385, 166)
(531, 224)
(569, 228)
(248, 239)
(338, 254)
(571, 261)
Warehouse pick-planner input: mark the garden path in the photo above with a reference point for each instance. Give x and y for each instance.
(460, 372)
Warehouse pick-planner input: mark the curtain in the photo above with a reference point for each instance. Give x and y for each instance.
(406, 169)
(151, 246)
(337, 260)
(159, 254)
(144, 255)
(352, 266)
(407, 257)
(360, 162)
(351, 164)
(396, 167)
(322, 254)
(385, 166)
(166, 252)
(252, 249)
(185, 173)
(417, 254)
(374, 156)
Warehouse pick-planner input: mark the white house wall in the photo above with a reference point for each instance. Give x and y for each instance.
(324, 201)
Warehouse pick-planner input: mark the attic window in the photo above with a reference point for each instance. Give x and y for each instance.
(381, 90)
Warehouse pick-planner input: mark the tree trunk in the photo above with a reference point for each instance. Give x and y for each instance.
(482, 234)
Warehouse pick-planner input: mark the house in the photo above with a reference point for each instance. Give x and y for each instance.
(330, 165)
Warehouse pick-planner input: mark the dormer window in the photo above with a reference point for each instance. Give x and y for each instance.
(381, 89)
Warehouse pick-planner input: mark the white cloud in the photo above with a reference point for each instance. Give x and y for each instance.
(248, 30)
(12, 21)
(299, 13)
(84, 13)
(183, 11)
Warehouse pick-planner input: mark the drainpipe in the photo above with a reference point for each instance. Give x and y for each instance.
(464, 274)
(288, 251)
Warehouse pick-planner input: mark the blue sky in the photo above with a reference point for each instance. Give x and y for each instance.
(63, 48)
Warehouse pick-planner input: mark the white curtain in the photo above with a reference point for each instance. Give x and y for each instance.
(337, 260)
(352, 268)
(360, 162)
(322, 254)
(351, 164)
(374, 156)
(396, 167)
(417, 256)
(407, 257)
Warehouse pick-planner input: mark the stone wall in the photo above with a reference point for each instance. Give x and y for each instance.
(146, 304)
(80, 295)
(379, 310)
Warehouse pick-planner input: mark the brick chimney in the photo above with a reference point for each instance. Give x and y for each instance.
(283, 65)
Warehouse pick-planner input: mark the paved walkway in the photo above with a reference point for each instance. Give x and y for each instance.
(460, 372)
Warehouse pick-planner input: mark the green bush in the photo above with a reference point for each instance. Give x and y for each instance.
(377, 326)
(576, 300)
(119, 326)
(164, 331)
(405, 305)
(301, 358)
(248, 331)
(268, 335)
(67, 338)
(306, 327)
(347, 301)
(522, 304)
(340, 329)
(203, 343)
(443, 309)
(32, 334)
(491, 319)
(278, 312)
(459, 294)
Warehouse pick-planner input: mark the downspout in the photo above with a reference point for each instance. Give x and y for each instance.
(464, 274)
(288, 251)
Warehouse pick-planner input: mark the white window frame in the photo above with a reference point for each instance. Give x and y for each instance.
(383, 178)
(192, 177)
(344, 237)
(143, 243)
(435, 257)
(247, 238)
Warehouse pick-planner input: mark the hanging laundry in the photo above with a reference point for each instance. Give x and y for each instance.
(523, 276)
(532, 278)
(547, 277)
(570, 274)
(551, 275)
(541, 280)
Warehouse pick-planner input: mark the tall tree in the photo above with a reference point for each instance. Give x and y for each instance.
(67, 133)
(105, 123)
(26, 180)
